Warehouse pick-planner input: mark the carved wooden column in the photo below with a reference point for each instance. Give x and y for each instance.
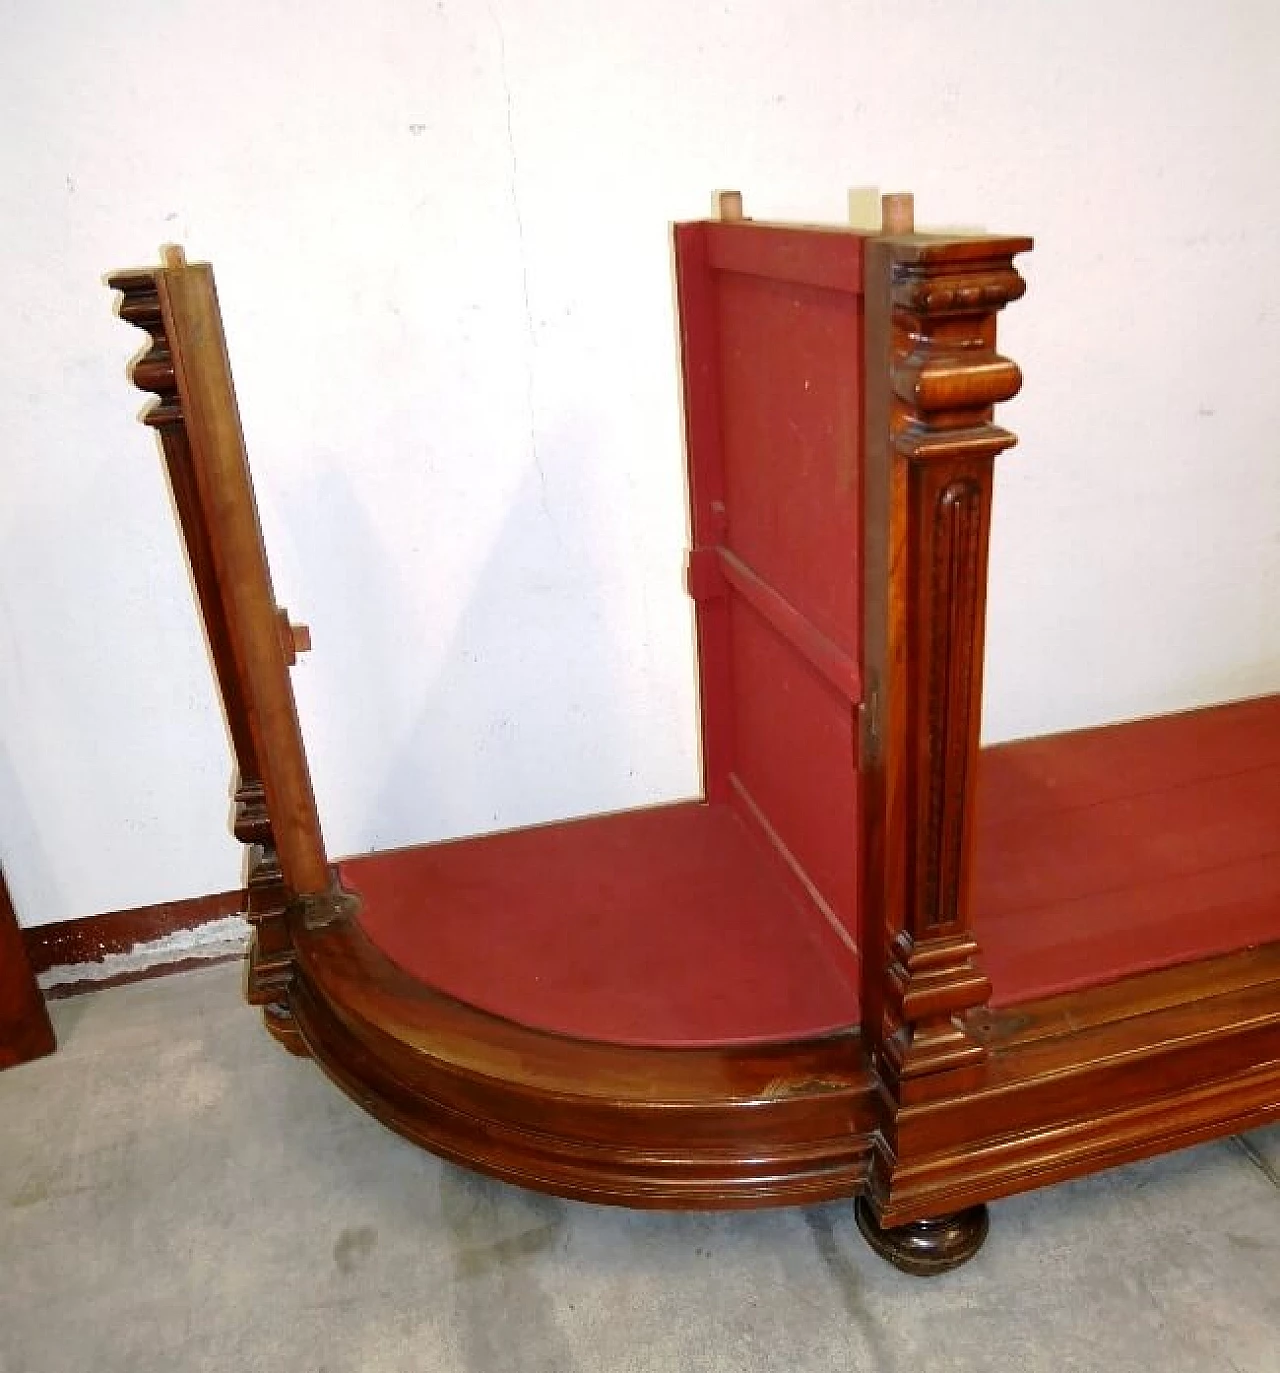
(933, 379)
(271, 957)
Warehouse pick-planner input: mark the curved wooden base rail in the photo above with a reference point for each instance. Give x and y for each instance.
(783, 992)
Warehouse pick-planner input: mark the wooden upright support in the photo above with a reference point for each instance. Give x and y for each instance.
(250, 638)
(934, 377)
(933, 380)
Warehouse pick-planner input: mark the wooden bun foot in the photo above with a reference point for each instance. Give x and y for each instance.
(278, 1019)
(925, 1247)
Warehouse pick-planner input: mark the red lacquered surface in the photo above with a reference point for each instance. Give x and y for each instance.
(1119, 850)
(669, 927)
(772, 324)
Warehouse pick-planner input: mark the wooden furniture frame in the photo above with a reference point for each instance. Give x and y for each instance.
(25, 1029)
(839, 395)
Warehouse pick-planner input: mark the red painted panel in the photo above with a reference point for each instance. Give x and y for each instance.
(791, 415)
(795, 757)
(671, 926)
(1113, 851)
(790, 376)
(811, 256)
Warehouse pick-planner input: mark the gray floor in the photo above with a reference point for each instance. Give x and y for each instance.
(177, 1193)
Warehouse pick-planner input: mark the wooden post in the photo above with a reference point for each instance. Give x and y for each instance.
(250, 639)
(933, 378)
(202, 374)
(267, 897)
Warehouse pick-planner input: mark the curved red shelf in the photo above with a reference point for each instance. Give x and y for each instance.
(667, 927)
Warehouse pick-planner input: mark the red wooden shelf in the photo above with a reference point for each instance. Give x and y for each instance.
(669, 927)
(1120, 850)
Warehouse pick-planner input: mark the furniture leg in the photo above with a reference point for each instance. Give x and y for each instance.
(924, 1248)
(278, 1018)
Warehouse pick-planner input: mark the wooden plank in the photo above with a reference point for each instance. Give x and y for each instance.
(154, 371)
(1073, 1012)
(704, 449)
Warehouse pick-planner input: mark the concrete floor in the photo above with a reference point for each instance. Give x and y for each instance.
(178, 1194)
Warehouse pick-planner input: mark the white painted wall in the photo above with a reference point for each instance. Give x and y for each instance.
(440, 231)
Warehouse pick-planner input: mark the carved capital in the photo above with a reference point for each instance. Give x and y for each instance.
(935, 287)
(153, 369)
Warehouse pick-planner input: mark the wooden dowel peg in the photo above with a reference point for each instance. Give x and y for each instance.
(728, 206)
(864, 209)
(898, 213)
(172, 255)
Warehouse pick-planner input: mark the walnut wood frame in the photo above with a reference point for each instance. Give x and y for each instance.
(936, 1104)
(25, 1028)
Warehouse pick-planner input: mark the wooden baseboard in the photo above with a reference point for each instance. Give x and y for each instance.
(60, 991)
(92, 938)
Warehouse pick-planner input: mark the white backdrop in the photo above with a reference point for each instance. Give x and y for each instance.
(441, 237)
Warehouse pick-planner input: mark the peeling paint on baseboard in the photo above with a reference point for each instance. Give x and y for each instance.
(223, 938)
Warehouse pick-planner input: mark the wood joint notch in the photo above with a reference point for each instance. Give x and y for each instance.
(704, 575)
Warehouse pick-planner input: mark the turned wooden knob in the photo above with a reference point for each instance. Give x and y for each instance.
(898, 213)
(294, 639)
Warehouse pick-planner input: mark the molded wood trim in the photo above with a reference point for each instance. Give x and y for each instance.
(1087, 1081)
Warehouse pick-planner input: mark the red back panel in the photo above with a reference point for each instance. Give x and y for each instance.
(771, 326)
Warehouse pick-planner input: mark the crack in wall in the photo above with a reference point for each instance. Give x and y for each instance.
(514, 186)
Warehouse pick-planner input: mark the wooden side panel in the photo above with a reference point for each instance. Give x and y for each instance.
(251, 640)
(772, 333)
(25, 1031)
(267, 896)
(202, 374)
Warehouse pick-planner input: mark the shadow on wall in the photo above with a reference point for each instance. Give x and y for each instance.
(22, 835)
(64, 693)
(443, 719)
